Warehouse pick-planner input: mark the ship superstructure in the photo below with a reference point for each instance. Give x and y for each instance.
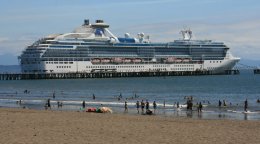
(93, 48)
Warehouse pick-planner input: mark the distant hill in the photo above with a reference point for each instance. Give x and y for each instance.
(10, 68)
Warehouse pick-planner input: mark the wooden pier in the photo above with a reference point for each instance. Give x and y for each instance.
(31, 76)
(232, 72)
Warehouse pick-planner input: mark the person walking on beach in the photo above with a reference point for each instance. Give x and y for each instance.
(137, 106)
(83, 104)
(164, 103)
(126, 108)
(246, 105)
(49, 103)
(142, 106)
(154, 106)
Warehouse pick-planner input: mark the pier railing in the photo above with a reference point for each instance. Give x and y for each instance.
(31, 76)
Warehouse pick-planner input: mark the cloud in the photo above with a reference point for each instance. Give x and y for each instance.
(3, 39)
(16, 45)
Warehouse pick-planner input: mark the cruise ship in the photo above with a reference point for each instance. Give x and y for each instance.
(92, 48)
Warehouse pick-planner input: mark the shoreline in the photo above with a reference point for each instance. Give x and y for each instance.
(41, 126)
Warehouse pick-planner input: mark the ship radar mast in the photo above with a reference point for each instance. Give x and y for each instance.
(186, 34)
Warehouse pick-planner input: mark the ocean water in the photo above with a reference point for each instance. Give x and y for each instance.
(234, 89)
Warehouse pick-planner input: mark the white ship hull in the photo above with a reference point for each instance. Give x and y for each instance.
(215, 66)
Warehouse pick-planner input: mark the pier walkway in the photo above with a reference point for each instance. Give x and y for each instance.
(30, 76)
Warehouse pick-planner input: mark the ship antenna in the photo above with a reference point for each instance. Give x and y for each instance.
(186, 34)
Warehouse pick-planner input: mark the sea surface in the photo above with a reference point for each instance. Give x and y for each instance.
(233, 89)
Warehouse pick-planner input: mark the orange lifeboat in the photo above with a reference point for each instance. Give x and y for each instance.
(186, 60)
(106, 60)
(137, 60)
(178, 60)
(117, 60)
(127, 60)
(95, 60)
(170, 59)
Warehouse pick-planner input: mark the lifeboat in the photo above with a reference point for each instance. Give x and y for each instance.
(170, 59)
(95, 60)
(178, 60)
(137, 60)
(127, 60)
(106, 60)
(186, 60)
(117, 60)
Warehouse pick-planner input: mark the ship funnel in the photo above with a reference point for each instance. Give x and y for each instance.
(186, 34)
(86, 22)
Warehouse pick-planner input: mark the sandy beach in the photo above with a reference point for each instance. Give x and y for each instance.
(23, 126)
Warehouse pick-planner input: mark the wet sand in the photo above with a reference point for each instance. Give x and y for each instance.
(39, 126)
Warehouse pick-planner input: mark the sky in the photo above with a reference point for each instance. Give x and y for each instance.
(234, 22)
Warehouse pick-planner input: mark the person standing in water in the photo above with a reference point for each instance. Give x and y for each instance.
(219, 103)
(154, 106)
(147, 105)
(142, 106)
(246, 105)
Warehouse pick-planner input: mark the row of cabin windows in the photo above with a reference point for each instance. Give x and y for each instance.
(215, 61)
(104, 67)
(59, 62)
(183, 65)
(63, 66)
(182, 69)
